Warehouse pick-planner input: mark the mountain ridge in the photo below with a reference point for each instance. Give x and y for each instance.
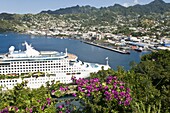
(156, 6)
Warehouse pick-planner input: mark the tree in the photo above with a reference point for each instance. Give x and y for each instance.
(156, 67)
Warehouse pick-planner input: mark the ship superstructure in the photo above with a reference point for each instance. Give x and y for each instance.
(51, 64)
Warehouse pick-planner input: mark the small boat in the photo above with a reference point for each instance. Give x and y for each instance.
(139, 49)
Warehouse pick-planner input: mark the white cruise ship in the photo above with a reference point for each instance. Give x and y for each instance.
(38, 67)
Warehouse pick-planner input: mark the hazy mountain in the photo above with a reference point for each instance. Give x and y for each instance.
(72, 10)
(157, 6)
(6, 16)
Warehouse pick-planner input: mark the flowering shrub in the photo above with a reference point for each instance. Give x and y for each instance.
(108, 96)
(10, 108)
(93, 95)
(96, 96)
(63, 105)
(41, 107)
(66, 107)
(23, 100)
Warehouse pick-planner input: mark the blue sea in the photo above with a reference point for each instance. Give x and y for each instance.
(84, 51)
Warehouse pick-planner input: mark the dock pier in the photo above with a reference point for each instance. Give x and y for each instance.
(108, 48)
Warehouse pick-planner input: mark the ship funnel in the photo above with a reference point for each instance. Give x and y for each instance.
(11, 49)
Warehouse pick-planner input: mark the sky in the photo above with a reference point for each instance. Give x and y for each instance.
(36, 6)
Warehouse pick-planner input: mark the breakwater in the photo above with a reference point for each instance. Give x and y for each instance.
(108, 48)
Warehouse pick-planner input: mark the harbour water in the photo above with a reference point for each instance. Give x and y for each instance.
(84, 51)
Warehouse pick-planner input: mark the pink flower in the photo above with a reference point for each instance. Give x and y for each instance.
(48, 102)
(122, 94)
(26, 109)
(42, 108)
(48, 99)
(120, 102)
(16, 108)
(67, 111)
(74, 94)
(88, 94)
(79, 88)
(121, 87)
(61, 88)
(60, 106)
(126, 103)
(106, 88)
(31, 110)
(52, 91)
(115, 78)
(127, 90)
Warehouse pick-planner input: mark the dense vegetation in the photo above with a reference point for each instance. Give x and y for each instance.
(153, 18)
(142, 89)
(11, 22)
(73, 10)
(5, 26)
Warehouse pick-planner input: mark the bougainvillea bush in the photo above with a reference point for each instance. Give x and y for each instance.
(24, 100)
(96, 96)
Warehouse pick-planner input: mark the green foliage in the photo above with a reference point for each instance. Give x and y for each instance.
(148, 82)
(24, 100)
(113, 19)
(141, 86)
(100, 96)
(142, 108)
(5, 25)
(72, 10)
(156, 67)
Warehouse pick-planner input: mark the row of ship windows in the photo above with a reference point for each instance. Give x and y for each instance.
(56, 64)
(6, 81)
(47, 78)
(33, 71)
(57, 67)
(34, 65)
(40, 62)
(3, 85)
(39, 82)
(37, 68)
(46, 81)
(41, 70)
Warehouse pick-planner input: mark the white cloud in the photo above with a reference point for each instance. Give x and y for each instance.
(126, 5)
(136, 2)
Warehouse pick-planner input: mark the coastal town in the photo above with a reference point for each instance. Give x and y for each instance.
(81, 56)
(48, 25)
(115, 27)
